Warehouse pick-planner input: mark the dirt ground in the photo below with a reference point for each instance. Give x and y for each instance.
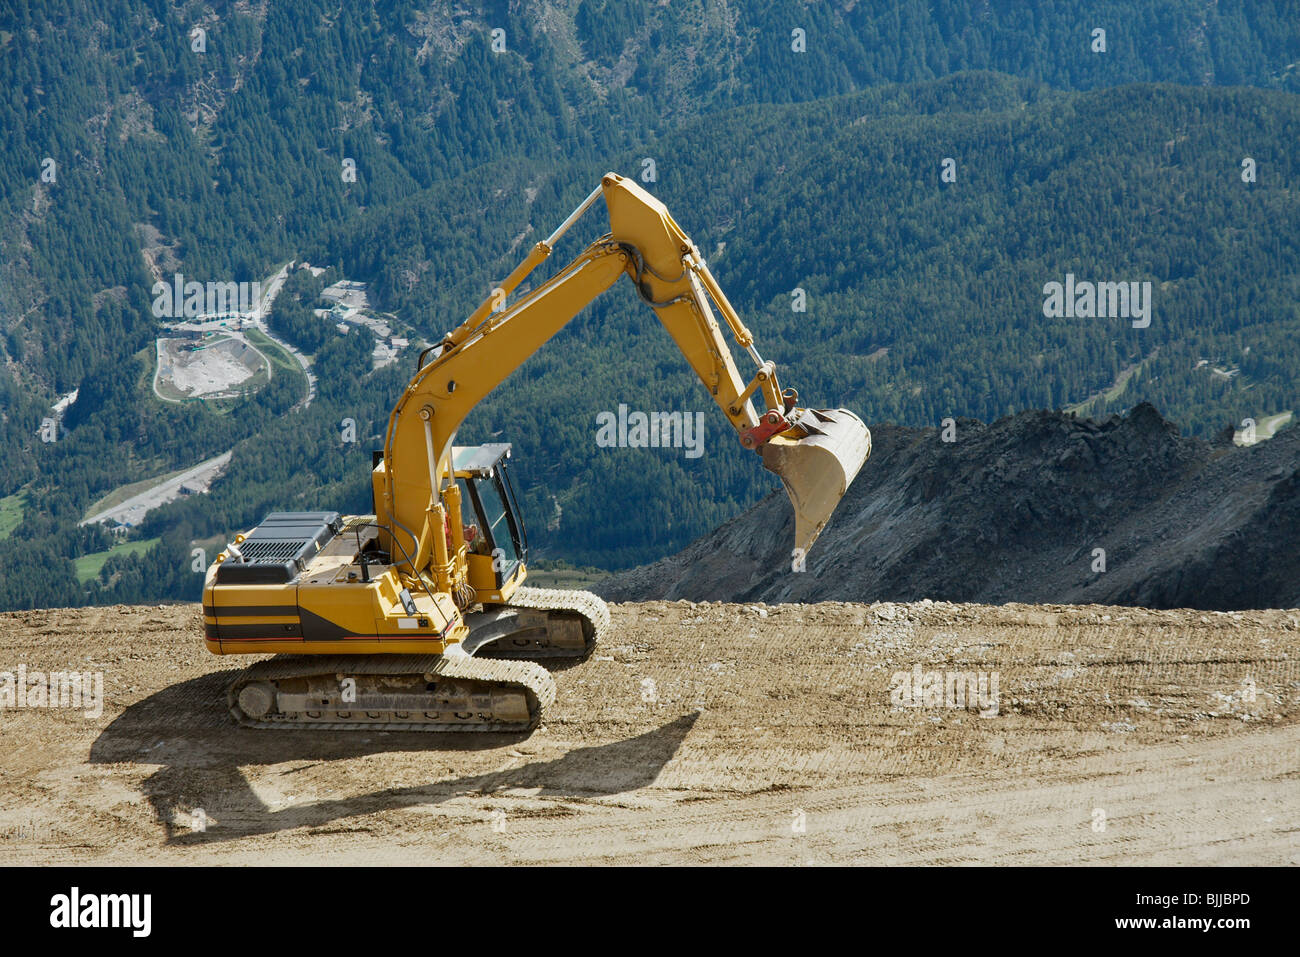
(701, 733)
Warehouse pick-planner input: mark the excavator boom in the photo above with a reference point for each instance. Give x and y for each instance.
(816, 453)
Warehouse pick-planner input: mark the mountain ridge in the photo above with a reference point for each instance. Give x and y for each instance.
(1015, 511)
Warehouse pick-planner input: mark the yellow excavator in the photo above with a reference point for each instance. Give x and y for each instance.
(417, 617)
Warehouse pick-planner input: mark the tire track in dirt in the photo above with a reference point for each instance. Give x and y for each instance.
(1178, 725)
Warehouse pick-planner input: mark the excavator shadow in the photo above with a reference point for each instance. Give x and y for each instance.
(203, 757)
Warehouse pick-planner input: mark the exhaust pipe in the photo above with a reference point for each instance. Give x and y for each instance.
(816, 460)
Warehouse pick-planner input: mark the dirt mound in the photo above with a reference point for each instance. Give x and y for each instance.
(1036, 507)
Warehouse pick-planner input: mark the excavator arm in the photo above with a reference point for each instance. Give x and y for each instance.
(817, 453)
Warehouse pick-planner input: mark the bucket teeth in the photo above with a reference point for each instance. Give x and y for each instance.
(816, 461)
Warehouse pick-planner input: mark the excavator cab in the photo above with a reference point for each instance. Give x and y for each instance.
(498, 544)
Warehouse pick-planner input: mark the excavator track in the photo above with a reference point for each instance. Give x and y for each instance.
(549, 624)
(392, 693)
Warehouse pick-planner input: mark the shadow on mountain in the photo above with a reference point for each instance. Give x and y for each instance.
(202, 756)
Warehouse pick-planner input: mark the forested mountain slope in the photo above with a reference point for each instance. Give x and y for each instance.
(801, 145)
(925, 300)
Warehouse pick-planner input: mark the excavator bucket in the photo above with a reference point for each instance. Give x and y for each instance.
(817, 466)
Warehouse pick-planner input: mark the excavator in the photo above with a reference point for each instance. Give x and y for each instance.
(417, 618)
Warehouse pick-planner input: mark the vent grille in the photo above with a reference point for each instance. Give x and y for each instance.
(277, 550)
(270, 552)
